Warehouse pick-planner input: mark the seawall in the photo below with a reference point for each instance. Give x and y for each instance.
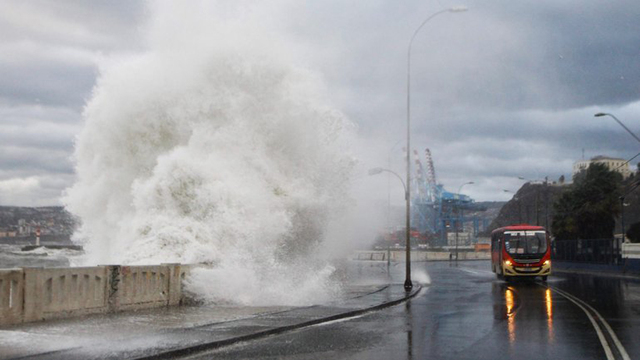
(36, 294)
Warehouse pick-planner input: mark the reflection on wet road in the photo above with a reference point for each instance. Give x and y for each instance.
(466, 313)
(528, 311)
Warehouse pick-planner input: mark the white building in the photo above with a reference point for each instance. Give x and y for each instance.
(613, 164)
(464, 239)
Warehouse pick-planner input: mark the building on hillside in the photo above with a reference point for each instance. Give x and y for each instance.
(613, 164)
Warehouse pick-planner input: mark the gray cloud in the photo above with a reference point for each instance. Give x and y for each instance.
(506, 89)
(46, 83)
(48, 59)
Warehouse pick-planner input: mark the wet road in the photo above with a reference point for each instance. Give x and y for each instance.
(466, 313)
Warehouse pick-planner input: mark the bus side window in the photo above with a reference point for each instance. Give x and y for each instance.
(495, 242)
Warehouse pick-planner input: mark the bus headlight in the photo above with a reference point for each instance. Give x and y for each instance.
(547, 262)
(507, 262)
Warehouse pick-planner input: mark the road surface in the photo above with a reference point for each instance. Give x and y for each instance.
(466, 313)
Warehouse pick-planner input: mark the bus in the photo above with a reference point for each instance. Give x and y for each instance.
(520, 251)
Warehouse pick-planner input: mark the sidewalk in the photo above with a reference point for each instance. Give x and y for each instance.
(169, 332)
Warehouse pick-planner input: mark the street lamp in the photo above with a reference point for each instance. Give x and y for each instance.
(460, 213)
(389, 207)
(519, 205)
(408, 285)
(376, 171)
(619, 122)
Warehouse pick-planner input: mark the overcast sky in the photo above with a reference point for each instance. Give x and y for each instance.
(505, 90)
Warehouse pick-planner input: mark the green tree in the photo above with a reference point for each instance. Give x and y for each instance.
(589, 209)
(633, 234)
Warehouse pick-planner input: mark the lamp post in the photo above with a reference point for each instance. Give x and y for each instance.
(408, 285)
(624, 195)
(619, 122)
(378, 170)
(389, 207)
(519, 205)
(622, 215)
(537, 217)
(461, 217)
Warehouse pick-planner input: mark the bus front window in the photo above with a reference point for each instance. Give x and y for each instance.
(525, 242)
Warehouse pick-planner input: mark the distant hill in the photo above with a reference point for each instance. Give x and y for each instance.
(532, 204)
(492, 210)
(19, 222)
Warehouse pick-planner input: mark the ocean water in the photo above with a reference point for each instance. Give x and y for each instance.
(214, 146)
(11, 256)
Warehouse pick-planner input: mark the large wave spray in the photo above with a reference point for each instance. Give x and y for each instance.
(212, 147)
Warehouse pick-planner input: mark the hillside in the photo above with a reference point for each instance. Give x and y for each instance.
(532, 204)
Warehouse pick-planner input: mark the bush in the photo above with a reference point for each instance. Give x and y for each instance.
(633, 234)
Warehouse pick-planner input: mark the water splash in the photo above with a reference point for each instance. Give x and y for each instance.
(206, 149)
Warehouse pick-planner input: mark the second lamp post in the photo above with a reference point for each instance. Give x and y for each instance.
(408, 285)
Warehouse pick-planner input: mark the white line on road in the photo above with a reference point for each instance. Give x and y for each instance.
(616, 341)
(583, 305)
(476, 272)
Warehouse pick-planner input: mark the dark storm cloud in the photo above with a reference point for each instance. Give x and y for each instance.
(531, 55)
(596, 48)
(572, 130)
(506, 89)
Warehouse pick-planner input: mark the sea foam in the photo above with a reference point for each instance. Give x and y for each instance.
(213, 146)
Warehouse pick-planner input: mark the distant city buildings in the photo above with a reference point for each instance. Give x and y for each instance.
(23, 222)
(614, 164)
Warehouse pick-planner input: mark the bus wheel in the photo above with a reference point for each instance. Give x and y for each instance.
(544, 278)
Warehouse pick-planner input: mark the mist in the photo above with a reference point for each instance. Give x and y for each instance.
(216, 146)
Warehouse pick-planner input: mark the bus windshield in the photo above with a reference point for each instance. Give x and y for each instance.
(525, 242)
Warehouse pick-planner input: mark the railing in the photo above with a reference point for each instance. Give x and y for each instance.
(419, 255)
(599, 251)
(33, 294)
(631, 251)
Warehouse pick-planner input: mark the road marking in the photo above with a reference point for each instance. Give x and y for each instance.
(476, 272)
(616, 341)
(584, 306)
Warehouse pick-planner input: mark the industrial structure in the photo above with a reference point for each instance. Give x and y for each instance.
(435, 211)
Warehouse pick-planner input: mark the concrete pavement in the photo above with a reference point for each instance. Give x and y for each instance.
(176, 331)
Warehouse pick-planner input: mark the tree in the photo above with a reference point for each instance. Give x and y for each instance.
(589, 209)
(633, 234)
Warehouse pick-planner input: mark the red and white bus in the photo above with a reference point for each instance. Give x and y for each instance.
(521, 250)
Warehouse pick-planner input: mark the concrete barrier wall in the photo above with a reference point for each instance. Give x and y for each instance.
(11, 295)
(51, 293)
(34, 294)
(400, 255)
(144, 287)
